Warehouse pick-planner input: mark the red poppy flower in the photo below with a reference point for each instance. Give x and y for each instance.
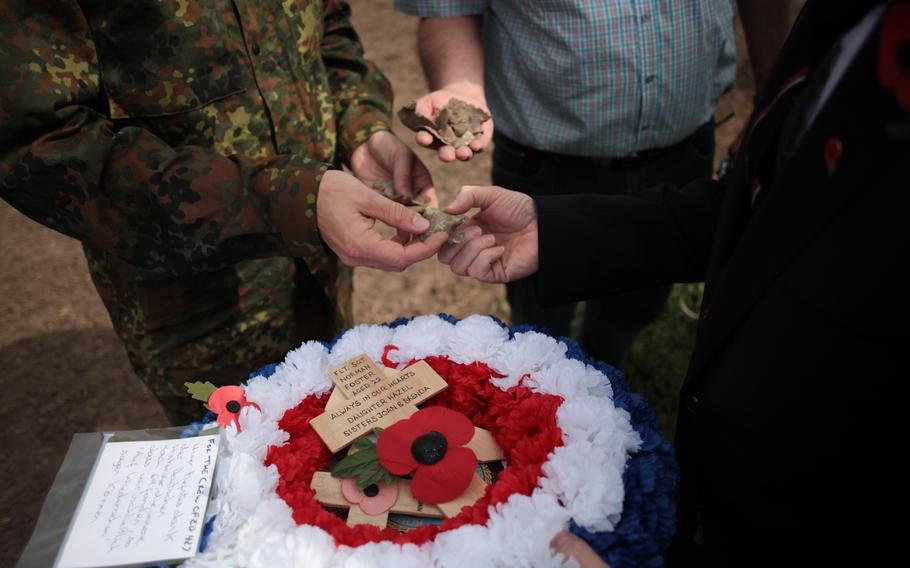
(374, 499)
(894, 52)
(226, 402)
(428, 446)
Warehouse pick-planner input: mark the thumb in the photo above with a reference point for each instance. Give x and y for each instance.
(424, 106)
(571, 546)
(472, 196)
(395, 215)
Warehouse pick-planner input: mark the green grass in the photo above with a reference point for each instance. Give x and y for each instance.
(657, 362)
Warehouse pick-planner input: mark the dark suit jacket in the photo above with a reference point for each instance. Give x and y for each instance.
(788, 436)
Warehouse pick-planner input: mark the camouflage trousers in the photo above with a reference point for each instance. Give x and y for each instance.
(218, 326)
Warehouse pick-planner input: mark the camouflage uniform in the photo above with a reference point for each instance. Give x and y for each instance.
(182, 141)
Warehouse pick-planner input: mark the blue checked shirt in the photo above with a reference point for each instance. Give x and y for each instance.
(599, 78)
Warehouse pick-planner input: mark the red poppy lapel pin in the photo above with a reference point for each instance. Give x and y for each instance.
(893, 65)
(834, 150)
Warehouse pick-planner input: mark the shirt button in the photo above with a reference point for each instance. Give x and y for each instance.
(650, 78)
(256, 49)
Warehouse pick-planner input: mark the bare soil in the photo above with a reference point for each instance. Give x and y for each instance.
(62, 368)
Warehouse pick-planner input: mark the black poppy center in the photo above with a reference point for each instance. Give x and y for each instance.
(371, 490)
(429, 448)
(233, 406)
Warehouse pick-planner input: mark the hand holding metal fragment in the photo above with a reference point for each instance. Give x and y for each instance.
(440, 221)
(458, 123)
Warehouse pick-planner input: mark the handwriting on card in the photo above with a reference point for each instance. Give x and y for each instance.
(382, 403)
(145, 503)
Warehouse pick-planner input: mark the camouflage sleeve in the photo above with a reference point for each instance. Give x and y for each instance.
(361, 93)
(170, 210)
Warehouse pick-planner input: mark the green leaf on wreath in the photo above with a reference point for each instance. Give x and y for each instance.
(200, 391)
(363, 464)
(363, 444)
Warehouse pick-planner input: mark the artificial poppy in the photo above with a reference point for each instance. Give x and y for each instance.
(894, 52)
(834, 149)
(374, 499)
(226, 402)
(428, 445)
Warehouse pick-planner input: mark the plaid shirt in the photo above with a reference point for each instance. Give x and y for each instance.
(600, 78)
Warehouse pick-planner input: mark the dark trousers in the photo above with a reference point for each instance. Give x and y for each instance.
(608, 326)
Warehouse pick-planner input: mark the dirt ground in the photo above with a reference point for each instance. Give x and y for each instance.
(62, 368)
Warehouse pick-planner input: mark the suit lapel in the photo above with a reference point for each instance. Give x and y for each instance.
(810, 37)
(837, 158)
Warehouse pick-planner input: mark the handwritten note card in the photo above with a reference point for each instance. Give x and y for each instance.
(145, 503)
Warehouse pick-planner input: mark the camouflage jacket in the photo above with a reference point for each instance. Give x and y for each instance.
(182, 141)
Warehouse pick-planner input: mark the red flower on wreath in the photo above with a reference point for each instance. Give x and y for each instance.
(226, 402)
(894, 52)
(428, 445)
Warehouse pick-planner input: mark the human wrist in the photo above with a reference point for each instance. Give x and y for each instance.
(472, 91)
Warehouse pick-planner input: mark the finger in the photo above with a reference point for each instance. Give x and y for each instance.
(499, 269)
(421, 180)
(446, 153)
(401, 173)
(571, 546)
(449, 251)
(424, 138)
(472, 196)
(390, 256)
(428, 197)
(464, 153)
(481, 142)
(487, 267)
(425, 106)
(393, 214)
(422, 250)
(469, 252)
(386, 254)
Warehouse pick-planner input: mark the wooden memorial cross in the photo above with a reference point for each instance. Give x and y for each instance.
(366, 397)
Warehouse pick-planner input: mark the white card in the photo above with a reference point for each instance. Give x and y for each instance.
(144, 504)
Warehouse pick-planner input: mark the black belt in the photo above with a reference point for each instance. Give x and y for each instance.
(632, 161)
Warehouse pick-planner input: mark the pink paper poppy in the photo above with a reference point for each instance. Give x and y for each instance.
(428, 446)
(226, 402)
(373, 499)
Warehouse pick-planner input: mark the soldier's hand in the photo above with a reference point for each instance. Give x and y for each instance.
(384, 156)
(429, 105)
(346, 211)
